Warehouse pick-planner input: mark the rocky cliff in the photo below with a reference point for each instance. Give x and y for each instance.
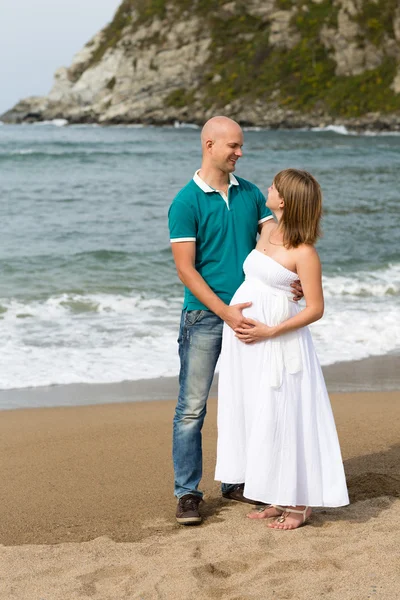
(263, 62)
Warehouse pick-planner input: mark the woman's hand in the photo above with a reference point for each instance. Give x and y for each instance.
(256, 332)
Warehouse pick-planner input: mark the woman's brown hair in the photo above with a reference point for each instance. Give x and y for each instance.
(302, 210)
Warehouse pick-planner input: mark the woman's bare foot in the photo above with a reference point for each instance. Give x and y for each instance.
(265, 513)
(292, 518)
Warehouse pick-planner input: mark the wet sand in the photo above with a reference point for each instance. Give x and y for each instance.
(377, 373)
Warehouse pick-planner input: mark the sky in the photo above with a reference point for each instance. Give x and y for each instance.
(38, 36)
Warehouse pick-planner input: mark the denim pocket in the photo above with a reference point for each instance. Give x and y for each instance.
(193, 316)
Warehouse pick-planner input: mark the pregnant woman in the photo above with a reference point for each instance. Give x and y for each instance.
(276, 430)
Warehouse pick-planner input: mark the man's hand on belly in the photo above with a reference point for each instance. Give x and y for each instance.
(233, 315)
(297, 290)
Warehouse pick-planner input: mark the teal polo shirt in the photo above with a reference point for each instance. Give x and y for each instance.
(224, 229)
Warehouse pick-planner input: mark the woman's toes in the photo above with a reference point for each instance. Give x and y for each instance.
(256, 515)
(265, 513)
(292, 521)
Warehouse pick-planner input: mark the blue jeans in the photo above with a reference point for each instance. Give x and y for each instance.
(200, 339)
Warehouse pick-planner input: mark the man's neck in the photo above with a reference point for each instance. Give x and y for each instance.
(214, 178)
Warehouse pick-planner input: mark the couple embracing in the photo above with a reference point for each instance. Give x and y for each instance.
(277, 441)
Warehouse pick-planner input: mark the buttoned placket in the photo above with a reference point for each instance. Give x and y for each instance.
(208, 189)
(225, 197)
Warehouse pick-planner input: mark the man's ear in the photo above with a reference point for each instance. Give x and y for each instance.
(209, 144)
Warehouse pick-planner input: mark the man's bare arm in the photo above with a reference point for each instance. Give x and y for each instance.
(184, 254)
(268, 223)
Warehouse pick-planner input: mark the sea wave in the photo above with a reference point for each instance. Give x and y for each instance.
(74, 338)
(255, 128)
(381, 133)
(343, 130)
(16, 152)
(76, 152)
(99, 338)
(89, 292)
(361, 210)
(54, 122)
(183, 125)
(138, 308)
(373, 284)
(339, 129)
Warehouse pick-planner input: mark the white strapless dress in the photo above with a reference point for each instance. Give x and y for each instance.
(276, 431)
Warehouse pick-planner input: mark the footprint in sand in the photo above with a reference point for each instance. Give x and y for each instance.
(90, 581)
(219, 570)
(196, 552)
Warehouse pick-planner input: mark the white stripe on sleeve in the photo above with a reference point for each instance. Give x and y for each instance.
(182, 240)
(265, 219)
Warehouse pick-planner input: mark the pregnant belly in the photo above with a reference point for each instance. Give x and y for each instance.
(247, 293)
(242, 294)
(265, 306)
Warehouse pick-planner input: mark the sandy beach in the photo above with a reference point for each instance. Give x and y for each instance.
(88, 512)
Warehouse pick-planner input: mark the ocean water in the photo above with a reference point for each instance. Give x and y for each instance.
(88, 290)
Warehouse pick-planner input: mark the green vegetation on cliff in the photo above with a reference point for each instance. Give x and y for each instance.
(376, 19)
(243, 64)
(253, 69)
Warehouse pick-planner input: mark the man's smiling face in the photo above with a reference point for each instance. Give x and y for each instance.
(227, 149)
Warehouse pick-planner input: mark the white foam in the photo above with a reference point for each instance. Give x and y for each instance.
(340, 129)
(381, 133)
(54, 122)
(361, 316)
(99, 338)
(352, 331)
(59, 122)
(365, 283)
(181, 125)
(24, 151)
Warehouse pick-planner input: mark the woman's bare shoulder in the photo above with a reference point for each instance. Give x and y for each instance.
(306, 252)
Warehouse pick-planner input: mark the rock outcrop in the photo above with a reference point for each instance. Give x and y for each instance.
(280, 63)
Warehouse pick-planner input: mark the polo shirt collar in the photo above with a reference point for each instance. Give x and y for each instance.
(206, 188)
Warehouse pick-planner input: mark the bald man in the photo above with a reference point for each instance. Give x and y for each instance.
(213, 224)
